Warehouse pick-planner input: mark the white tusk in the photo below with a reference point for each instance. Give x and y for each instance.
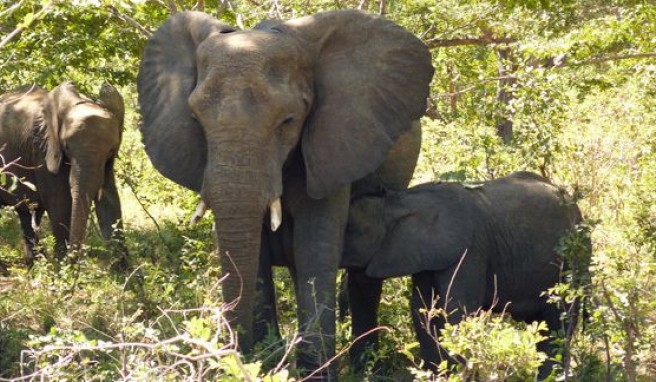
(198, 214)
(276, 214)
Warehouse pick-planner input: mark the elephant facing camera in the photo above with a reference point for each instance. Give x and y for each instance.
(283, 120)
(61, 146)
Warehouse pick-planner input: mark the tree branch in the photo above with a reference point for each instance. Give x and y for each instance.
(172, 7)
(439, 42)
(200, 6)
(600, 60)
(12, 9)
(129, 20)
(21, 27)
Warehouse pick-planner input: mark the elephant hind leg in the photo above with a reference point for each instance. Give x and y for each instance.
(552, 314)
(364, 298)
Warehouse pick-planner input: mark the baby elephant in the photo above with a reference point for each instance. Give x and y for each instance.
(490, 245)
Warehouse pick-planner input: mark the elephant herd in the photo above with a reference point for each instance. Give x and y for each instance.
(302, 138)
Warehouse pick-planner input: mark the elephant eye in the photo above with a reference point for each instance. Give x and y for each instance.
(288, 119)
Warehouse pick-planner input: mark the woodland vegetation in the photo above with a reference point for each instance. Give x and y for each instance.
(565, 88)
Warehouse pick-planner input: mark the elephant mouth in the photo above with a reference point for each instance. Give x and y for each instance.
(275, 212)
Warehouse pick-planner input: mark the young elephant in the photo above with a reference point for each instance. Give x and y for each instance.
(64, 144)
(489, 245)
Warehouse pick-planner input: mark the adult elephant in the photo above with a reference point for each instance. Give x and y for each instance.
(294, 111)
(64, 144)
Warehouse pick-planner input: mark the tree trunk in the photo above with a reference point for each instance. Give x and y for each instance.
(505, 93)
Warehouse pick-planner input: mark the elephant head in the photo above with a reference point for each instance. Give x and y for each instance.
(425, 228)
(224, 110)
(85, 135)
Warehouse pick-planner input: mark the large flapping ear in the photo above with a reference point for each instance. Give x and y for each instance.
(371, 81)
(56, 105)
(174, 140)
(111, 99)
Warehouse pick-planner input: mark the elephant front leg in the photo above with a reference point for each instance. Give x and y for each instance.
(318, 240)
(266, 315)
(455, 292)
(29, 220)
(424, 299)
(108, 211)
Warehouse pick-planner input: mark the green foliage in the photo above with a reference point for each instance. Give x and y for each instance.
(201, 349)
(579, 83)
(494, 348)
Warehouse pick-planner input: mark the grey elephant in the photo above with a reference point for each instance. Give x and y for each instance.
(292, 118)
(64, 144)
(492, 240)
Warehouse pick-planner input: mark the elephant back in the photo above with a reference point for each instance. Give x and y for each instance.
(531, 216)
(22, 124)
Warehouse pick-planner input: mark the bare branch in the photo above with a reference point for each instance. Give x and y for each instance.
(438, 42)
(12, 9)
(330, 361)
(474, 86)
(172, 7)
(600, 60)
(10, 36)
(129, 20)
(46, 8)
(200, 6)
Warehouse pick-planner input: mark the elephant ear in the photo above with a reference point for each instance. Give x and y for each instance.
(111, 99)
(174, 140)
(371, 81)
(56, 105)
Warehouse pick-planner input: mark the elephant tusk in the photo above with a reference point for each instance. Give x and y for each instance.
(276, 214)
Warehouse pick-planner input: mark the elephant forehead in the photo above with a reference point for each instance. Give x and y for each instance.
(246, 51)
(91, 118)
(85, 110)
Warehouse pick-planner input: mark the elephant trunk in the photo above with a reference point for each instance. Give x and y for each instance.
(85, 184)
(239, 244)
(238, 195)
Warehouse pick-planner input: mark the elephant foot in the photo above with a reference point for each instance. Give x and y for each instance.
(315, 370)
